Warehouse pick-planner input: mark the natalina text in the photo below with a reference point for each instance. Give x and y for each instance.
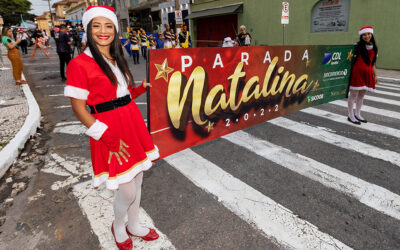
(184, 95)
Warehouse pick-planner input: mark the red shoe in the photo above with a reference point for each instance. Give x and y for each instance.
(126, 245)
(152, 235)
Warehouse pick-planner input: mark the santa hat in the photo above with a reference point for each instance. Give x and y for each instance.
(366, 29)
(96, 11)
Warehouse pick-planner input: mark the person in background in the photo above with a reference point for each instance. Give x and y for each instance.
(121, 147)
(46, 37)
(21, 35)
(152, 42)
(160, 41)
(173, 38)
(143, 43)
(228, 42)
(13, 54)
(167, 37)
(363, 73)
(184, 37)
(243, 38)
(63, 43)
(134, 39)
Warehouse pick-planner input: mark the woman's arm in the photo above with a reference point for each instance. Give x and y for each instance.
(376, 76)
(79, 108)
(13, 45)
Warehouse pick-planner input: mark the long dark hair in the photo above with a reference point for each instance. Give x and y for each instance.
(361, 49)
(116, 53)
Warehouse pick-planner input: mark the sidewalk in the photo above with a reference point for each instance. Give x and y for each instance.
(391, 76)
(19, 116)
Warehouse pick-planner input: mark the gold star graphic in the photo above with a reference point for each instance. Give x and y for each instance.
(210, 126)
(163, 70)
(350, 55)
(316, 85)
(308, 62)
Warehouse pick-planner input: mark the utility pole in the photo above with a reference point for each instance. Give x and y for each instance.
(176, 8)
(51, 16)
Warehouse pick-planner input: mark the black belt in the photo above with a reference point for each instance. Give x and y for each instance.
(110, 105)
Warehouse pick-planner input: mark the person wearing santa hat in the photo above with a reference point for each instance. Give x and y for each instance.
(121, 147)
(363, 75)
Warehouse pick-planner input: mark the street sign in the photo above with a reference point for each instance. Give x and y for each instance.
(285, 13)
(178, 17)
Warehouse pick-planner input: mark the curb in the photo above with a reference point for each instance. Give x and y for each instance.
(388, 79)
(10, 152)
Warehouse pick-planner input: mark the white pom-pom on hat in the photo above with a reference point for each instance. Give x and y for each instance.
(97, 11)
(366, 29)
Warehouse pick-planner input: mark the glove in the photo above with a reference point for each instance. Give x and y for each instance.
(111, 141)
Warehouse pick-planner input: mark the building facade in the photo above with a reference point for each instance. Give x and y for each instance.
(311, 22)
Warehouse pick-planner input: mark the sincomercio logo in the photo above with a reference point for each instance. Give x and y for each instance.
(312, 98)
(332, 58)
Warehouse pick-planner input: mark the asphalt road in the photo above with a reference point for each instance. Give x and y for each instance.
(310, 180)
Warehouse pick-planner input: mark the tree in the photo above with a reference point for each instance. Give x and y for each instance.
(11, 11)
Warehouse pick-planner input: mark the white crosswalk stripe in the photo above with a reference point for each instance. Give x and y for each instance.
(370, 109)
(340, 141)
(343, 119)
(252, 206)
(387, 93)
(382, 100)
(396, 85)
(372, 195)
(387, 87)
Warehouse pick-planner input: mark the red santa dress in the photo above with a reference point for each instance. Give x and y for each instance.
(362, 74)
(86, 81)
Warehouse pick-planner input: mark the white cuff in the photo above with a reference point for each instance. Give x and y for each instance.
(97, 130)
(78, 93)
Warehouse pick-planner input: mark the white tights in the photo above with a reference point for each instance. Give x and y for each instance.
(358, 97)
(127, 202)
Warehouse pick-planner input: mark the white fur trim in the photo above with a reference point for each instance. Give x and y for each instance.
(366, 30)
(362, 88)
(75, 92)
(96, 12)
(97, 130)
(113, 183)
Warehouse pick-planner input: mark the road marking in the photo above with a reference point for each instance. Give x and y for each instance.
(385, 87)
(63, 107)
(338, 140)
(98, 207)
(67, 123)
(387, 93)
(382, 100)
(141, 103)
(56, 95)
(371, 195)
(50, 85)
(390, 84)
(73, 129)
(43, 72)
(252, 206)
(370, 109)
(343, 119)
(35, 64)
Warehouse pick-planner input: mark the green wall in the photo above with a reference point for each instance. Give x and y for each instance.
(262, 19)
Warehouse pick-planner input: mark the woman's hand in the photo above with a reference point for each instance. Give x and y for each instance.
(146, 84)
(376, 79)
(121, 153)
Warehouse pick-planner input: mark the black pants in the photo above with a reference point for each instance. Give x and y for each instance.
(144, 51)
(24, 46)
(64, 60)
(135, 55)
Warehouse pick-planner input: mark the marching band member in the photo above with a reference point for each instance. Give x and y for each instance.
(121, 147)
(184, 37)
(134, 39)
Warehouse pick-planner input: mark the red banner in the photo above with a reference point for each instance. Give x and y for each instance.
(201, 94)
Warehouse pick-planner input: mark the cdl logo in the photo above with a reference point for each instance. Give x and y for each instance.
(332, 58)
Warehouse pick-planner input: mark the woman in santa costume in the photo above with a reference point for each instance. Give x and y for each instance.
(363, 75)
(121, 147)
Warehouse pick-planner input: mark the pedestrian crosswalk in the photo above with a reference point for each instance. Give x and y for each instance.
(373, 206)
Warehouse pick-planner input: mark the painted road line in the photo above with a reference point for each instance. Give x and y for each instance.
(370, 109)
(382, 100)
(391, 84)
(371, 195)
(343, 119)
(98, 207)
(35, 64)
(141, 103)
(56, 95)
(72, 129)
(44, 72)
(63, 107)
(387, 93)
(386, 87)
(50, 85)
(251, 205)
(320, 133)
(67, 123)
